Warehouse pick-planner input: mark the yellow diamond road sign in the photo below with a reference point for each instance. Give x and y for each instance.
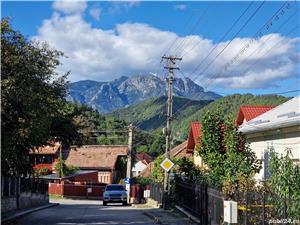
(167, 164)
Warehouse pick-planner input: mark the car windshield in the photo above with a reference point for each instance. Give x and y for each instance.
(115, 188)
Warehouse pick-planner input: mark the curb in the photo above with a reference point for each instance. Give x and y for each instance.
(26, 212)
(190, 216)
(156, 219)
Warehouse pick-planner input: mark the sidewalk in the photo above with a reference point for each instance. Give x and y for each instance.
(168, 217)
(6, 218)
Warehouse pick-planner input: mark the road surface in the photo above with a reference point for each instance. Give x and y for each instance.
(86, 212)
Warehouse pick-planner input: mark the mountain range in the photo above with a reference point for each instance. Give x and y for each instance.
(126, 91)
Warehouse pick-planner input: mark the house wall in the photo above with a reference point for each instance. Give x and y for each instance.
(138, 167)
(278, 140)
(105, 177)
(198, 161)
(88, 177)
(77, 190)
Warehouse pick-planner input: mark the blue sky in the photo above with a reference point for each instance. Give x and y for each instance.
(97, 36)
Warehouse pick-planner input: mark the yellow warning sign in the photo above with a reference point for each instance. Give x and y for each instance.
(167, 164)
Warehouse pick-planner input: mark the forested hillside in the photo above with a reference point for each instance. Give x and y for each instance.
(228, 106)
(151, 114)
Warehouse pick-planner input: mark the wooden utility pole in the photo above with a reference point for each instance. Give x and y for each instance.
(171, 67)
(129, 160)
(60, 159)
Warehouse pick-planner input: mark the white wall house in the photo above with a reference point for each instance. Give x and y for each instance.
(277, 129)
(138, 167)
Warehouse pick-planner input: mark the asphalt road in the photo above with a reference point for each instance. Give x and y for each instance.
(79, 212)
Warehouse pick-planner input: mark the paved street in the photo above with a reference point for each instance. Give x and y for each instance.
(79, 212)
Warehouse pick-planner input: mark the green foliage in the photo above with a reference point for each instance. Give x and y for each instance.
(285, 183)
(186, 168)
(151, 114)
(225, 152)
(64, 170)
(33, 105)
(158, 172)
(228, 106)
(42, 171)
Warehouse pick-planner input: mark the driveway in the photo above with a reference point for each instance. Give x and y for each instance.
(79, 212)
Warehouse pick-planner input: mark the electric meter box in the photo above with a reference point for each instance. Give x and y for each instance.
(230, 211)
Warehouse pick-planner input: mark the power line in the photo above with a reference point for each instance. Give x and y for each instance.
(245, 24)
(222, 38)
(258, 49)
(185, 41)
(259, 31)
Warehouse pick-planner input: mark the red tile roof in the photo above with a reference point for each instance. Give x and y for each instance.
(49, 149)
(142, 156)
(94, 156)
(194, 135)
(250, 112)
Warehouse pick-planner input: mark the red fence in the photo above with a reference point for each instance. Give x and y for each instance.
(77, 190)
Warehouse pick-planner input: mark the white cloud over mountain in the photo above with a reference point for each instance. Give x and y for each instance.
(133, 48)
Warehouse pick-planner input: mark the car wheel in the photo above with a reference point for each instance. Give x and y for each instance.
(124, 203)
(104, 203)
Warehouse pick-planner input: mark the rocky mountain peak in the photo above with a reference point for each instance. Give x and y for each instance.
(124, 91)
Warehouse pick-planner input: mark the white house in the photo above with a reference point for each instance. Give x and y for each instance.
(141, 161)
(277, 129)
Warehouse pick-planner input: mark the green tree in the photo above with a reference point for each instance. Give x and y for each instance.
(226, 153)
(33, 105)
(285, 183)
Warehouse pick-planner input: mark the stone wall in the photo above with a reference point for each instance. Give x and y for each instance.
(21, 193)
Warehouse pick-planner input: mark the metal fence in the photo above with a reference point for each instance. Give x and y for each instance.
(156, 192)
(193, 198)
(253, 208)
(12, 186)
(263, 208)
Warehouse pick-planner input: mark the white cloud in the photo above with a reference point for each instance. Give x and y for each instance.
(133, 48)
(118, 7)
(95, 13)
(69, 6)
(180, 7)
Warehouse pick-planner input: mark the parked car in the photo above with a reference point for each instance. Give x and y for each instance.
(114, 193)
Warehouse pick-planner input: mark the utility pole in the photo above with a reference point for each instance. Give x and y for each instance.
(129, 160)
(171, 67)
(60, 159)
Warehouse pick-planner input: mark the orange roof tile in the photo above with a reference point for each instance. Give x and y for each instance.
(142, 156)
(250, 112)
(94, 156)
(194, 135)
(49, 149)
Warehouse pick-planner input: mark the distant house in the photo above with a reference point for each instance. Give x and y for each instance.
(45, 156)
(102, 158)
(277, 129)
(249, 112)
(147, 172)
(141, 161)
(193, 139)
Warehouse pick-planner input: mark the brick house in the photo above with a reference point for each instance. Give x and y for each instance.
(45, 156)
(102, 158)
